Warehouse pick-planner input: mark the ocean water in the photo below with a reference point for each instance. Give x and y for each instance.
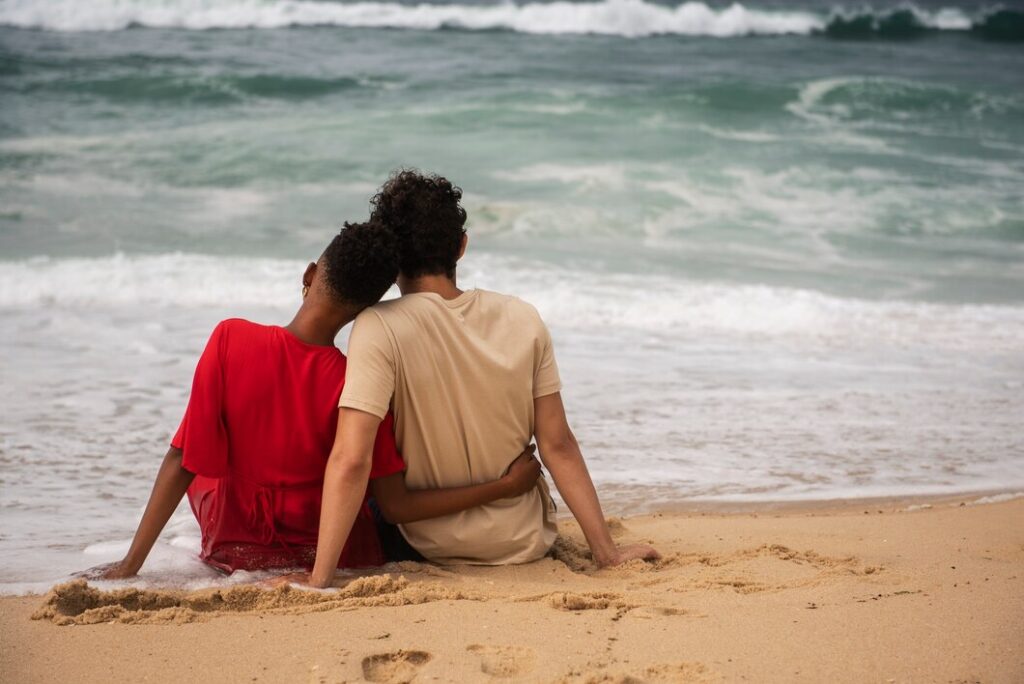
(780, 244)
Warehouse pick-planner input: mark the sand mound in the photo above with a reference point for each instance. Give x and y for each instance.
(616, 527)
(591, 601)
(77, 603)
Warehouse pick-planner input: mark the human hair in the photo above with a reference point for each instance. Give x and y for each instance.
(361, 263)
(425, 214)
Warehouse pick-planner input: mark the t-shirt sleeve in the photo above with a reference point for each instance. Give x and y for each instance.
(202, 435)
(386, 459)
(370, 375)
(545, 374)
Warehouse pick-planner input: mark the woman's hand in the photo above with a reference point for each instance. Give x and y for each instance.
(108, 571)
(522, 475)
(301, 578)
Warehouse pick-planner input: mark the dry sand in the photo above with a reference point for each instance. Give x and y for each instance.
(852, 594)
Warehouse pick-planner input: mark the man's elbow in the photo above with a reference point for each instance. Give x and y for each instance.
(560, 446)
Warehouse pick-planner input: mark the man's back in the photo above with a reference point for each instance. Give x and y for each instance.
(464, 374)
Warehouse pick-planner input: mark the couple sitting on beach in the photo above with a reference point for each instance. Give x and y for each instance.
(442, 392)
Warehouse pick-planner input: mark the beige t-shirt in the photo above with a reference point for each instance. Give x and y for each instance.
(461, 376)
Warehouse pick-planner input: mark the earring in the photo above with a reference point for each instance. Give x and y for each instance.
(305, 291)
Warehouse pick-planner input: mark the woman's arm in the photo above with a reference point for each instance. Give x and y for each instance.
(172, 481)
(400, 504)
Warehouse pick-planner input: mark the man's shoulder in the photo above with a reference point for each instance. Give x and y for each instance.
(383, 314)
(507, 300)
(511, 306)
(370, 320)
(413, 307)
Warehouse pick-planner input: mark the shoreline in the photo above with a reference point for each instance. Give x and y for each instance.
(933, 594)
(776, 508)
(891, 503)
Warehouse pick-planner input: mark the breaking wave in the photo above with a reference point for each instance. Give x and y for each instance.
(651, 304)
(629, 18)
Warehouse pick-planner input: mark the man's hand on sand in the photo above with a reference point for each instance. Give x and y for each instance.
(632, 552)
(108, 571)
(522, 475)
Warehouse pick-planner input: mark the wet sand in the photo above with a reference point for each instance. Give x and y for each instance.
(846, 594)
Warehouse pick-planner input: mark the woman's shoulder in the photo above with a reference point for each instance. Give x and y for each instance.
(233, 333)
(241, 326)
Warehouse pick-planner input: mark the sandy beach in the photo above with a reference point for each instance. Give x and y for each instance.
(857, 593)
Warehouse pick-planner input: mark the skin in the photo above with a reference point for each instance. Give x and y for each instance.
(401, 505)
(349, 465)
(318, 321)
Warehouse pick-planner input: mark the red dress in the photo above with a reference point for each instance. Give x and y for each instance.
(259, 427)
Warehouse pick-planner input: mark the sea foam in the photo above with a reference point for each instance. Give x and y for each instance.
(630, 18)
(571, 298)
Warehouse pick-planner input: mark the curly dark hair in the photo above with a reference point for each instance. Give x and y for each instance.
(425, 213)
(361, 263)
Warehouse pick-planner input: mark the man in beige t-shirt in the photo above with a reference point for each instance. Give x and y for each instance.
(471, 378)
(461, 375)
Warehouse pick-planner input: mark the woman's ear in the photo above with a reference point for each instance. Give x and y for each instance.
(310, 275)
(462, 248)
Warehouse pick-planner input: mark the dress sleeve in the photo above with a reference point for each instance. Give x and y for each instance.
(202, 435)
(386, 459)
(545, 374)
(370, 374)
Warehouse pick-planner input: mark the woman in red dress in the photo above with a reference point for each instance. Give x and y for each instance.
(261, 420)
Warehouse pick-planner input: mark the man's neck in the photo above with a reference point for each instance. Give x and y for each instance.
(439, 284)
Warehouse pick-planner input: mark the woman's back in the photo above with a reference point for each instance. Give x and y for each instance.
(257, 433)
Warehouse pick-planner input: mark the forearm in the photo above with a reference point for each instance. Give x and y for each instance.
(412, 504)
(565, 463)
(344, 489)
(172, 481)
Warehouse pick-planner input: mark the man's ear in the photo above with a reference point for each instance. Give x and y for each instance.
(462, 248)
(310, 275)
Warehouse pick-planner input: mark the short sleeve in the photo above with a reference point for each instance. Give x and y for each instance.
(202, 435)
(370, 375)
(386, 459)
(545, 375)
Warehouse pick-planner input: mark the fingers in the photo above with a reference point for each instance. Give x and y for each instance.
(529, 451)
(105, 571)
(114, 573)
(291, 578)
(636, 552)
(531, 469)
(643, 553)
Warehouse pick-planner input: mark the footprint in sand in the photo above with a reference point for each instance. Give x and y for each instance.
(653, 612)
(503, 661)
(399, 667)
(670, 672)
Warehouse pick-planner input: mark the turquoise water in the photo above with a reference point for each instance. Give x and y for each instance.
(780, 245)
(878, 167)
